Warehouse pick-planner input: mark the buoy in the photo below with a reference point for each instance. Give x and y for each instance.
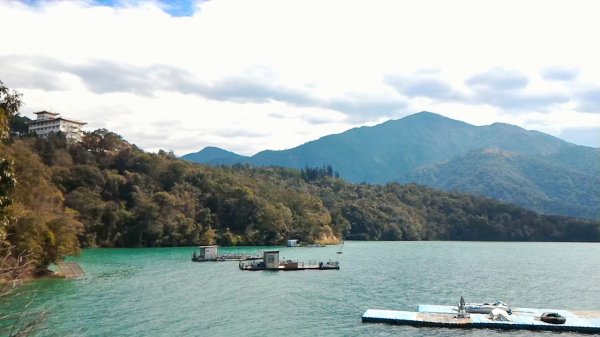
(553, 318)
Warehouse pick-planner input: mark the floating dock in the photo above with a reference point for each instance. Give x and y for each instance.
(210, 253)
(70, 269)
(270, 261)
(228, 257)
(521, 319)
(290, 265)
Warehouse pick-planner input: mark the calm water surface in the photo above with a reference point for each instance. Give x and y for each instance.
(160, 292)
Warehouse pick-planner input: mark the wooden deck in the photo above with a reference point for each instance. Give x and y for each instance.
(521, 319)
(70, 269)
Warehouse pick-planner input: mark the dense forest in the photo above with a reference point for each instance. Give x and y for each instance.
(533, 182)
(106, 192)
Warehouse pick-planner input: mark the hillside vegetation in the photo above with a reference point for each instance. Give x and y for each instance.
(533, 182)
(106, 192)
(546, 174)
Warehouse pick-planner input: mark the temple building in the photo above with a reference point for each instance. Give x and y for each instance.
(48, 122)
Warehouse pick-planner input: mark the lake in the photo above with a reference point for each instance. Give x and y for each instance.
(160, 292)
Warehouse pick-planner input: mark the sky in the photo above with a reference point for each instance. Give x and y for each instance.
(248, 75)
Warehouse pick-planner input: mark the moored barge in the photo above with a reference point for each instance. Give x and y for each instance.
(210, 253)
(270, 261)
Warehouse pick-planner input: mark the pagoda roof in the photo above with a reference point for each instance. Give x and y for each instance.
(55, 119)
(46, 112)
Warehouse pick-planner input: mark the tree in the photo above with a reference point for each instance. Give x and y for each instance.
(7, 184)
(10, 102)
(15, 264)
(37, 210)
(208, 237)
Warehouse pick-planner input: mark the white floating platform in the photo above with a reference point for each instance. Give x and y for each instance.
(521, 319)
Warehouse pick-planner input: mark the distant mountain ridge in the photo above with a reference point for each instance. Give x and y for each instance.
(216, 156)
(428, 148)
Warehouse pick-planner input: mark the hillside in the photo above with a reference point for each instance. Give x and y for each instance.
(397, 150)
(533, 182)
(397, 147)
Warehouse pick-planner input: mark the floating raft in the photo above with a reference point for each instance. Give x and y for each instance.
(228, 257)
(270, 261)
(290, 265)
(521, 319)
(70, 269)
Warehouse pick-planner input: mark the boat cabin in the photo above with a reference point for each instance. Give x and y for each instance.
(292, 243)
(206, 253)
(271, 259)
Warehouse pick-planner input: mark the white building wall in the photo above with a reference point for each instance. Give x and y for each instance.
(45, 124)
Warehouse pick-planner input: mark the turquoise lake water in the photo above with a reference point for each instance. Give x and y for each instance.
(160, 292)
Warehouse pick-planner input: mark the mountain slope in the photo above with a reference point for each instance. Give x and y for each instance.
(535, 183)
(385, 151)
(392, 151)
(129, 198)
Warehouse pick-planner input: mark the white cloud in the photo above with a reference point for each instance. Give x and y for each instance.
(557, 73)
(249, 75)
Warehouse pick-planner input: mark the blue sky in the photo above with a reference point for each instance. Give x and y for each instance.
(176, 8)
(173, 7)
(249, 75)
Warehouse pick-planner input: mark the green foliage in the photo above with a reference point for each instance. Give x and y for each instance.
(550, 176)
(125, 197)
(34, 222)
(10, 102)
(535, 183)
(129, 198)
(7, 182)
(412, 212)
(40, 224)
(313, 174)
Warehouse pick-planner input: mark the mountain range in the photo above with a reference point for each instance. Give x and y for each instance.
(501, 161)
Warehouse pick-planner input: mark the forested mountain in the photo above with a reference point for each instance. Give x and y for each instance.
(106, 192)
(399, 150)
(533, 182)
